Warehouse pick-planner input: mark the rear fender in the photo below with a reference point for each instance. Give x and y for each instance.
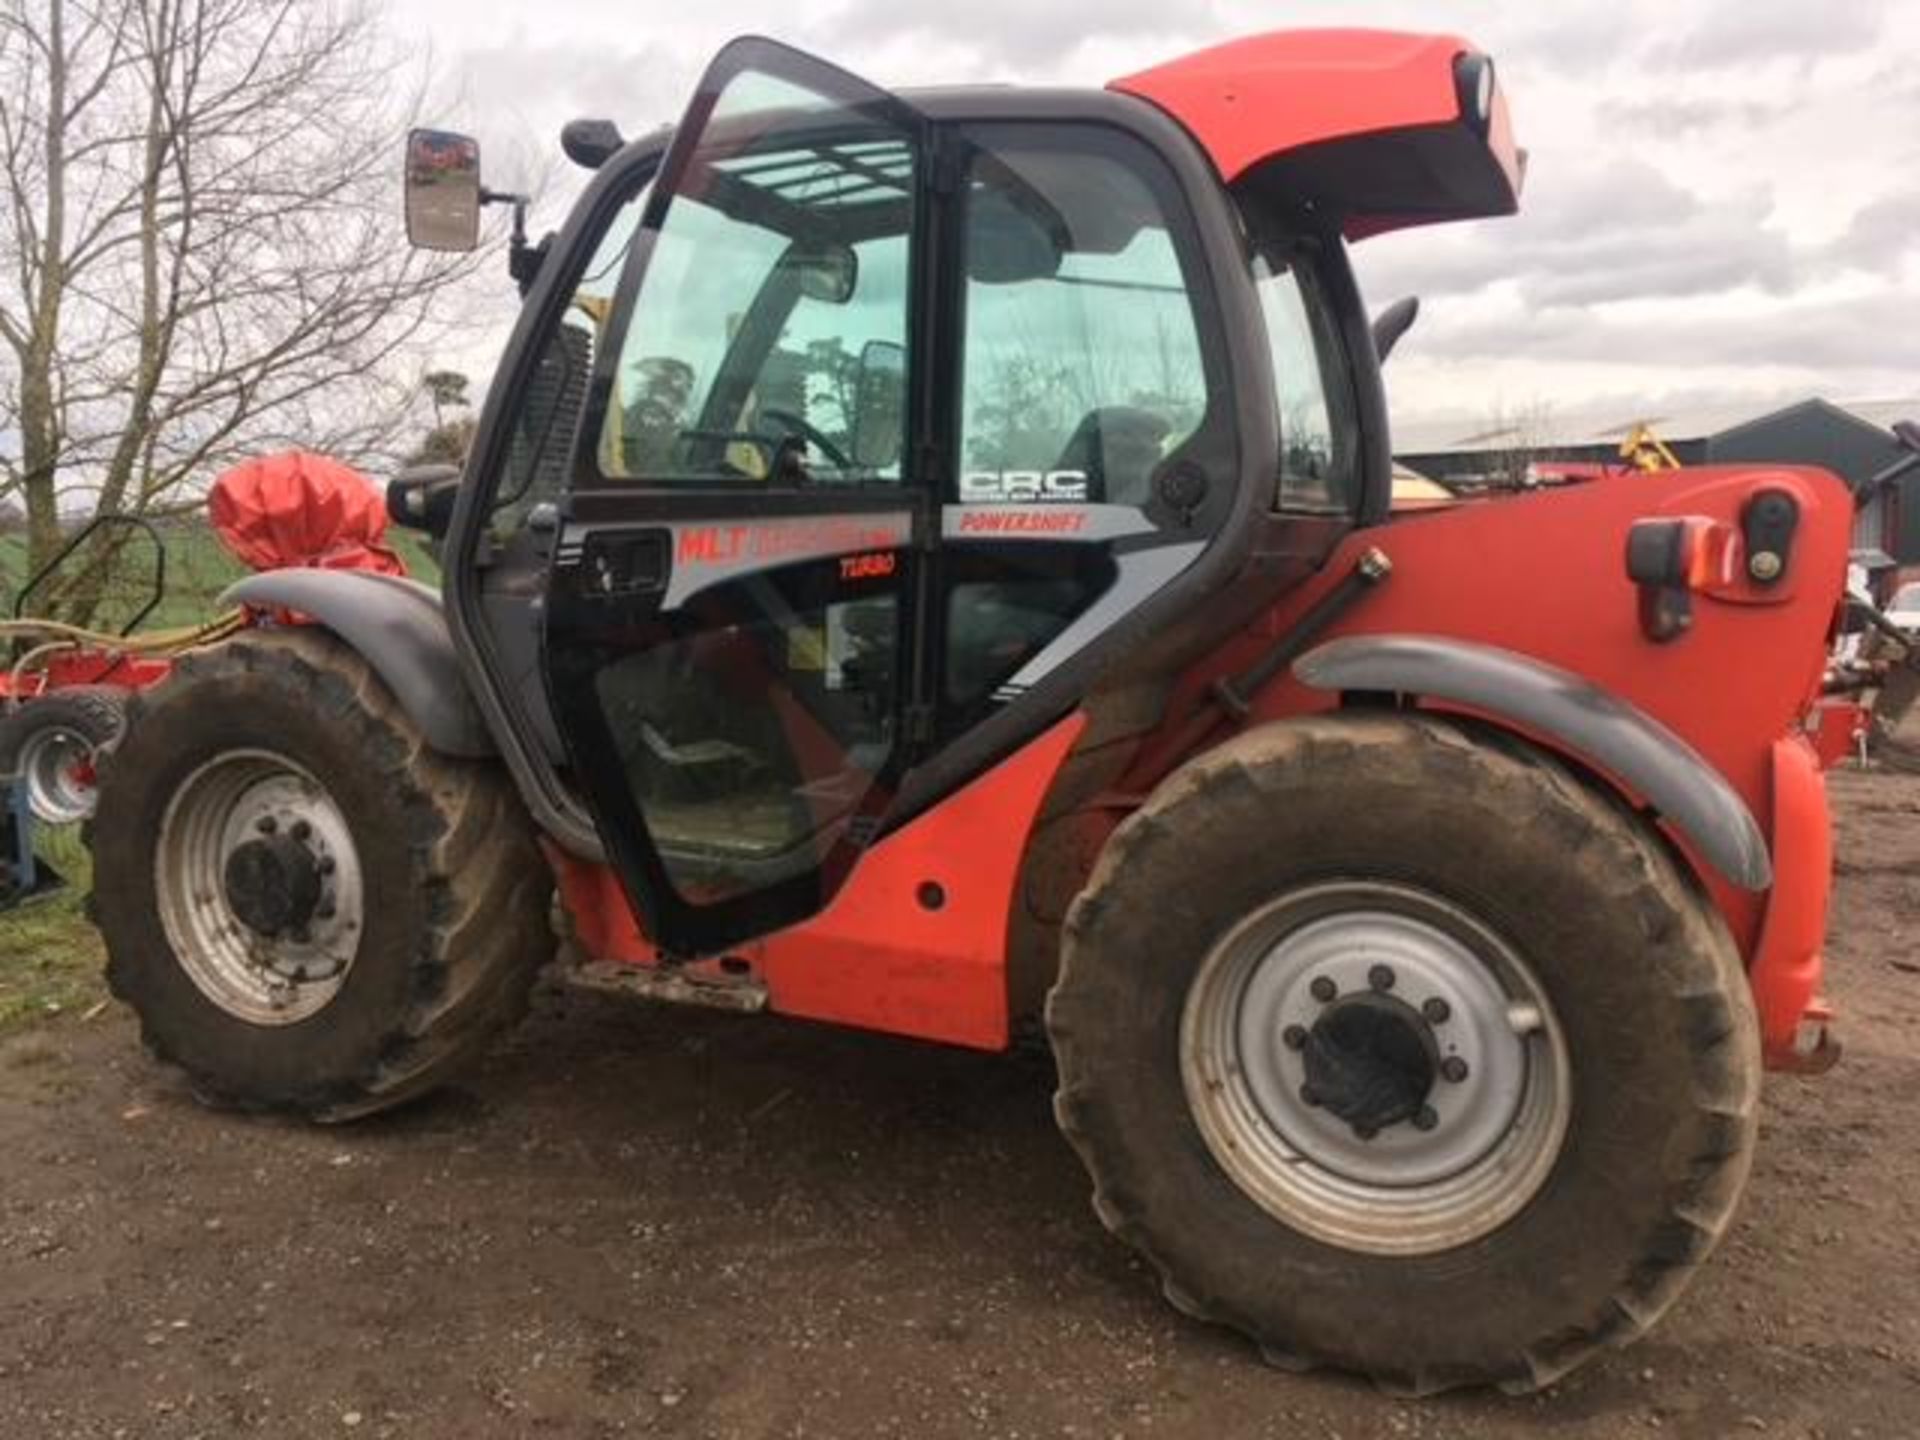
(398, 628)
(1643, 756)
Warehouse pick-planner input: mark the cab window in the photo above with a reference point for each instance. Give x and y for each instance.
(1083, 378)
(550, 408)
(768, 341)
(1082, 355)
(1318, 429)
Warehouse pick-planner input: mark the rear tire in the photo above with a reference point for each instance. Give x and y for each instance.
(1429, 844)
(425, 898)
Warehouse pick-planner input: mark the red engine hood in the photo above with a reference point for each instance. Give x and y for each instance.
(1365, 125)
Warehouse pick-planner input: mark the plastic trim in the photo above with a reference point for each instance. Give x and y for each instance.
(1645, 756)
(398, 627)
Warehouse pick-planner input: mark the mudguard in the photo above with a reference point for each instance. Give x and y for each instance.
(1558, 706)
(398, 627)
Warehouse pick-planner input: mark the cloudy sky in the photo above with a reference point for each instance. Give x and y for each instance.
(1723, 204)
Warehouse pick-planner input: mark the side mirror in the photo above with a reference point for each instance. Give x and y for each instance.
(443, 190)
(421, 498)
(827, 272)
(878, 422)
(1392, 323)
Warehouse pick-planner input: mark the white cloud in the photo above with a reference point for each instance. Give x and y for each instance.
(1704, 172)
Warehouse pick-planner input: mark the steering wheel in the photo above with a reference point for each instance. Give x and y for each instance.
(797, 424)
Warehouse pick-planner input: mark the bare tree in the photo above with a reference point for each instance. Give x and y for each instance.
(201, 249)
(445, 389)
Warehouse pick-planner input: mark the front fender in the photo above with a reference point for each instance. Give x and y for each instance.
(398, 628)
(1562, 708)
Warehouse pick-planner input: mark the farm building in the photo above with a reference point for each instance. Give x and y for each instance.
(1852, 439)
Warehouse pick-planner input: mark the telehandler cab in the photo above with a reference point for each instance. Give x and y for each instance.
(925, 564)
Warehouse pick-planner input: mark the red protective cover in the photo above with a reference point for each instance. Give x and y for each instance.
(300, 509)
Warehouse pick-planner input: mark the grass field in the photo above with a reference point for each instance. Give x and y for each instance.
(50, 957)
(198, 568)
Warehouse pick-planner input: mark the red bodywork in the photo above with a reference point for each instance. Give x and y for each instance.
(1540, 574)
(914, 945)
(1325, 99)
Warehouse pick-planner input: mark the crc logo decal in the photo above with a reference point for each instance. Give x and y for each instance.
(1022, 487)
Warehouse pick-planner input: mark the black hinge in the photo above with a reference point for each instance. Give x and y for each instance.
(945, 172)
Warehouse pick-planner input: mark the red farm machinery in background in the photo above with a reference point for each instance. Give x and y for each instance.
(63, 693)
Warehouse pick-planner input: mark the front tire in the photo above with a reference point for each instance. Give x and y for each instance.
(1276, 1112)
(310, 911)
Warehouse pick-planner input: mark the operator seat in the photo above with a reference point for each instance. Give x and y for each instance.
(1117, 447)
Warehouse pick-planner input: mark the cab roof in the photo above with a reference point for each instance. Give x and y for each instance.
(1378, 128)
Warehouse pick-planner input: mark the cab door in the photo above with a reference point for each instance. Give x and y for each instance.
(731, 624)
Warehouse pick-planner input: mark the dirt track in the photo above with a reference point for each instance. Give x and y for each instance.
(657, 1222)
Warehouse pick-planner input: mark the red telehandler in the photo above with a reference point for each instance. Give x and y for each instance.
(925, 564)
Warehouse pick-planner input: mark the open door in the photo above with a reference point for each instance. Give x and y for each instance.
(729, 643)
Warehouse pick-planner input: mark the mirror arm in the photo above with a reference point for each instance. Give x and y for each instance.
(523, 260)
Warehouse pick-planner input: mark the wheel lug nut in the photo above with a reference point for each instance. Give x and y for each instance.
(1364, 1132)
(266, 824)
(1437, 1011)
(1381, 977)
(302, 936)
(1425, 1118)
(326, 864)
(301, 829)
(1323, 989)
(1454, 1068)
(1309, 1096)
(1294, 1037)
(324, 910)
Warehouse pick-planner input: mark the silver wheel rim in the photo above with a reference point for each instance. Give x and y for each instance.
(52, 764)
(262, 979)
(1493, 1121)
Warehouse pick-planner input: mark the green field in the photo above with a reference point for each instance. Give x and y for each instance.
(198, 568)
(50, 957)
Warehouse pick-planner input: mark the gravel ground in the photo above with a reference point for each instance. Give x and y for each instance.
(640, 1221)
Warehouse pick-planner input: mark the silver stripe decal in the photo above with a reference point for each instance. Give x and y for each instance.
(1142, 574)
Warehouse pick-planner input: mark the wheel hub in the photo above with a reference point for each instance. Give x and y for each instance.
(1371, 1060)
(273, 885)
(1376, 1067)
(57, 767)
(260, 888)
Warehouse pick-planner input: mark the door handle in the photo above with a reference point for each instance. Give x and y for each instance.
(619, 564)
